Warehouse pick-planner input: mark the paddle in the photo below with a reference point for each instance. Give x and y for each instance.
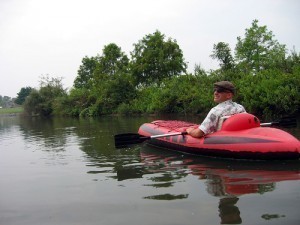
(124, 140)
(286, 122)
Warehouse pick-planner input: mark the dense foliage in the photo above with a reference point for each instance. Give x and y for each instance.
(42, 101)
(154, 59)
(154, 79)
(24, 92)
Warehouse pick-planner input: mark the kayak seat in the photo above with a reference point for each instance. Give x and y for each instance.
(239, 121)
(221, 121)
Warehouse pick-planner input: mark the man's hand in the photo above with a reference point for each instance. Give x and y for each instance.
(195, 132)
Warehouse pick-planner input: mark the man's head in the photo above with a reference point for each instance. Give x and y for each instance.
(223, 91)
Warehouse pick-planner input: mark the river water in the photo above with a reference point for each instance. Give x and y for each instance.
(67, 171)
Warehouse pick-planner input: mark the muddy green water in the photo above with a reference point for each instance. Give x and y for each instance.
(67, 171)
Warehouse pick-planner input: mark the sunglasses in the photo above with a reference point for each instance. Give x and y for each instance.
(221, 90)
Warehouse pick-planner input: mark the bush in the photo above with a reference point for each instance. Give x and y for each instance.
(41, 102)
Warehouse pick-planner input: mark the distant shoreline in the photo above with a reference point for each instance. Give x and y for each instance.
(11, 111)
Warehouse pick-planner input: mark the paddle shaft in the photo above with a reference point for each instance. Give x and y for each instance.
(267, 124)
(168, 135)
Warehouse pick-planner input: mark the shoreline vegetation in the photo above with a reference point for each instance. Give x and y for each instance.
(11, 111)
(154, 80)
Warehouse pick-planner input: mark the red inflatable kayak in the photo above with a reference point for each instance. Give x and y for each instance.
(240, 136)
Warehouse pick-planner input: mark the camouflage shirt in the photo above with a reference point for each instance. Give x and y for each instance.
(226, 108)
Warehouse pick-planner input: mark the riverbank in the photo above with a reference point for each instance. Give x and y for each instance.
(11, 111)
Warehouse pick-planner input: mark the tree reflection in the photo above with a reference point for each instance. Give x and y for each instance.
(50, 133)
(228, 211)
(225, 179)
(166, 197)
(129, 173)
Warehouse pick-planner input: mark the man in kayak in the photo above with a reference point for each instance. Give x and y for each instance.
(223, 94)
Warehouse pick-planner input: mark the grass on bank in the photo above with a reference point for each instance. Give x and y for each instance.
(11, 110)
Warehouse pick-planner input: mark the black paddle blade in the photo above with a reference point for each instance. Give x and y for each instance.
(287, 122)
(124, 140)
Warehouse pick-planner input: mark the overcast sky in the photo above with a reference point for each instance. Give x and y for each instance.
(40, 37)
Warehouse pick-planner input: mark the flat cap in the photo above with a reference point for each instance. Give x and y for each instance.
(226, 85)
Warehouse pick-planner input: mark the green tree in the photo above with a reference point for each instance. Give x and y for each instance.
(112, 63)
(113, 60)
(23, 93)
(154, 59)
(271, 93)
(74, 103)
(111, 83)
(199, 70)
(40, 102)
(85, 72)
(258, 50)
(292, 61)
(222, 53)
(114, 92)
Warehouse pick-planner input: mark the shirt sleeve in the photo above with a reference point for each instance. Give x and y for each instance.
(209, 124)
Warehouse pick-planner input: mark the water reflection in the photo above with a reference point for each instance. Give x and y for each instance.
(167, 197)
(48, 134)
(144, 176)
(228, 211)
(225, 179)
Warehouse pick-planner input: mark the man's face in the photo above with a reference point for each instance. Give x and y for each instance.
(221, 95)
